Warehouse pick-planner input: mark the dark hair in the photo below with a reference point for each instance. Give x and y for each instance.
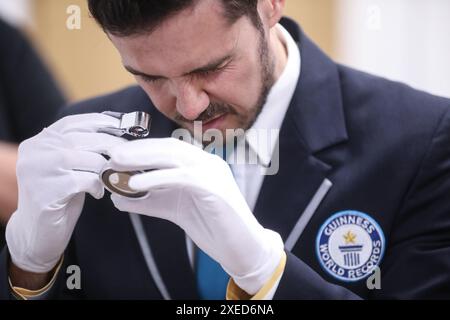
(127, 17)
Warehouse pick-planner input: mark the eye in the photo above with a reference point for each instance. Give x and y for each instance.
(208, 73)
(211, 72)
(150, 80)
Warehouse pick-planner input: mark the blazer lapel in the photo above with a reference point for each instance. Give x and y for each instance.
(284, 196)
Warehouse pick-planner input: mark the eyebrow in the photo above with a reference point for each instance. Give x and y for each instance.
(213, 65)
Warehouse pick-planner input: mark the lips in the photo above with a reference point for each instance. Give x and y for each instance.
(214, 123)
(213, 119)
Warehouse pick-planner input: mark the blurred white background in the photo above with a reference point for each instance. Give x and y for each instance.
(16, 12)
(406, 40)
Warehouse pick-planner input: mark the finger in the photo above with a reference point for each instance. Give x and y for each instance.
(160, 179)
(90, 122)
(94, 142)
(125, 204)
(155, 153)
(86, 161)
(89, 183)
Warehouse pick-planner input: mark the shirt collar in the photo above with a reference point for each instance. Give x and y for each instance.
(278, 101)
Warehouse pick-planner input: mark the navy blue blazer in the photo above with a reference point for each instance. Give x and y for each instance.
(380, 148)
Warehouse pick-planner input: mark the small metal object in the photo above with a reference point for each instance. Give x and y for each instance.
(133, 125)
(117, 182)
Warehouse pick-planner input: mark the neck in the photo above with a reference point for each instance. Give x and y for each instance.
(279, 51)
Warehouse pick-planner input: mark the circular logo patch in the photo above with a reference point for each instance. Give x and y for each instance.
(349, 245)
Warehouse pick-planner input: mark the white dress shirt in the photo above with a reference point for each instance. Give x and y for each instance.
(249, 177)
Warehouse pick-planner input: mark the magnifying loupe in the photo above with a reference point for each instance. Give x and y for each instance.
(133, 125)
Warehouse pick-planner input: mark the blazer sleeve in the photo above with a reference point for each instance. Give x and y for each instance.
(58, 290)
(300, 282)
(417, 261)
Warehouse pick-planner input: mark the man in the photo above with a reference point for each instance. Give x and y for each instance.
(361, 189)
(29, 101)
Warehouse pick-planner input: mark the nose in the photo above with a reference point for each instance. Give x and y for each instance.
(191, 99)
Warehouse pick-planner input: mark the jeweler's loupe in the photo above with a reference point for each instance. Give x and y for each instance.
(133, 125)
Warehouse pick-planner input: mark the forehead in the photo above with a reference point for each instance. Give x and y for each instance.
(182, 42)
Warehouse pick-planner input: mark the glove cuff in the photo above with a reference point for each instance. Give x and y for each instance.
(19, 248)
(254, 281)
(28, 266)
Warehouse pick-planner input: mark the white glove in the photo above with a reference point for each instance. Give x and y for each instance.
(196, 190)
(55, 169)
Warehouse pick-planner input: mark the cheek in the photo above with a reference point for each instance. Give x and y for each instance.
(239, 87)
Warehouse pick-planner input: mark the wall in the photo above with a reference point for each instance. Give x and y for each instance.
(83, 60)
(317, 18)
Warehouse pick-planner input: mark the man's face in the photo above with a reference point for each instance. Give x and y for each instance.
(196, 66)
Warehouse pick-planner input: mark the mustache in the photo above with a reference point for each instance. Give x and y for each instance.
(213, 111)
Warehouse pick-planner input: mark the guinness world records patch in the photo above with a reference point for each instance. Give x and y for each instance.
(350, 245)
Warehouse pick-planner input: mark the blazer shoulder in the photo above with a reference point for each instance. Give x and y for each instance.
(388, 95)
(390, 121)
(392, 109)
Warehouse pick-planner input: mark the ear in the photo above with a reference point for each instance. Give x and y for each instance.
(271, 11)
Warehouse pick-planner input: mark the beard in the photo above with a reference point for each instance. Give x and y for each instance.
(245, 121)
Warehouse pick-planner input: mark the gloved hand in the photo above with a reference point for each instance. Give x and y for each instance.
(196, 190)
(55, 169)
